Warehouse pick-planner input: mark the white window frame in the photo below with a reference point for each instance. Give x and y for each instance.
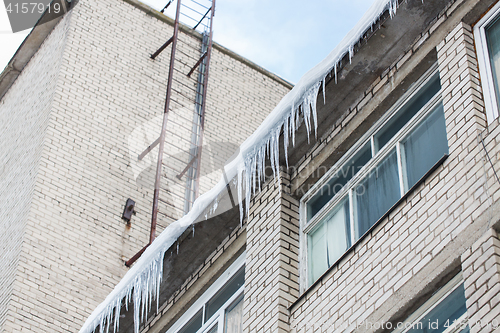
(434, 301)
(348, 188)
(483, 59)
(218, 317)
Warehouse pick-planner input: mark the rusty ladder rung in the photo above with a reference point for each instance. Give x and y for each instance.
(179, 176)
(208, 11)
(150, 147)
(163, 47)
(197, 64)
(166, 6)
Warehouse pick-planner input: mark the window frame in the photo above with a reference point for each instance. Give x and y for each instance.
(219, 316)
(393, 144)
(483, 59)
(433, 302)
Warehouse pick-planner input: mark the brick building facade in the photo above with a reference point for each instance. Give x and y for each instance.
(72, 125)
(389, 220)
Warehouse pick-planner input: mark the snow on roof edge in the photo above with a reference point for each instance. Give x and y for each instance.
(142, 282)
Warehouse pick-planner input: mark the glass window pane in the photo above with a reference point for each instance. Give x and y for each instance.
(377, 193)
(493, 37)
(234, 318)
(193, 325)
(341, 177)
(425, 145)
(317, 256)
(443, 315)
(407, 112)
(213, 329)
(218, 300)
(338, 235)
(329, 240)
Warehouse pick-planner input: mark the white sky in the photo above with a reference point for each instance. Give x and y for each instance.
(287, 37)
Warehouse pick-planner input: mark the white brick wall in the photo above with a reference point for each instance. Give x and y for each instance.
(75, 241)
(422, 238)
(421, 228)
(24, 115)
(105, 88)
(271, 269)
(443, 223)
(481, 272)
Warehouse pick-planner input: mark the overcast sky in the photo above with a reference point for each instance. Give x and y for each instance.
(287, 37)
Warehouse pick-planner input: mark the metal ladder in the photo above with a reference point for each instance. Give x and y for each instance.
(181, 136)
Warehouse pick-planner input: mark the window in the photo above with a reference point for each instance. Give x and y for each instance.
(445, 312)
(220, 308)
(487, 38)
(373, 176)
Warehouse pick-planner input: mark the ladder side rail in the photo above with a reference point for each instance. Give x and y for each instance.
(204, 99)
(159, 166)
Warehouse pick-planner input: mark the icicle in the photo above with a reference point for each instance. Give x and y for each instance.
(116, 325)
(247, 188)
(261, 172)
(393, 5)
(215, 205)
(324, 93)
(285, 137)
(306, 112)
(257, 171)
(253, 165)
(193, 230)
(108, 322)
(335, 69)
(276, 151)
(313, 107)
(101, 325)
(271, 154)
(137, 302)
(240, 194)
(177, 247)
(295, 119)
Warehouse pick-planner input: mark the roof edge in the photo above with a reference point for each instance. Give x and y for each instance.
(29, 47)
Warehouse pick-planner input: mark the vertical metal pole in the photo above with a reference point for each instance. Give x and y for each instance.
(189, 196)
(205, 85)
(156, 194)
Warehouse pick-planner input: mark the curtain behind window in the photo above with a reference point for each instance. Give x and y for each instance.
(425, 146)
(377, 193)
(234, 318)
